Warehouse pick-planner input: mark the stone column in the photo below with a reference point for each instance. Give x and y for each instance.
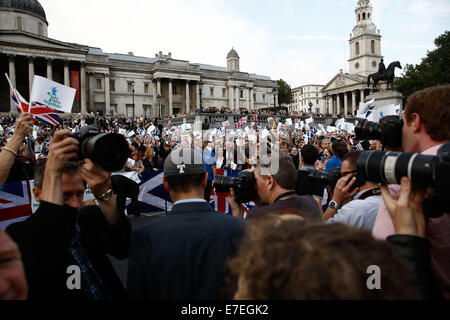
(252, 100)
(158, 86)
(12, 77)
(91, 92)
(188, 102)
(107, 95)
(248, 99)
(197, 94)
(231, 97)
(353, 102)
(338, 102)
(83, 88)
(155, 110)
(268, 99)
(237, 93)
(170, 98)
(30, 74)
(345, 103)
(49, 69)
(362, 95)
(66, 74)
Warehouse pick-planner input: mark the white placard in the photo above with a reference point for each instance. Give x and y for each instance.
(310, 120)
(52, 94)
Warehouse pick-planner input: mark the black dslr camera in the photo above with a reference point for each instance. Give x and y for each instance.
(424, 172)
(388, 131)
(109, 151)
(244, 186)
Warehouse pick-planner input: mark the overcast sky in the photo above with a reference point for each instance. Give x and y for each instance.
(300, 41)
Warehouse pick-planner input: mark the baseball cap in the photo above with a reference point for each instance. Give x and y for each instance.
(184, 162)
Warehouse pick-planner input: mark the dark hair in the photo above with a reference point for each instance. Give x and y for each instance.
(310, 154)
(433, 107)
(184, 183)
(339, 148)
(295, 260)
(39, 169)
(352, 158)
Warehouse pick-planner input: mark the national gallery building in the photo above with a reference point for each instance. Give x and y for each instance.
(118, 83)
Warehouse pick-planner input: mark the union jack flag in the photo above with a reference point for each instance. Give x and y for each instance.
(15, 203)
(242, 122)
(39, 111)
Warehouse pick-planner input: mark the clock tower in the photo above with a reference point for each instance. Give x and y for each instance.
(365, 42)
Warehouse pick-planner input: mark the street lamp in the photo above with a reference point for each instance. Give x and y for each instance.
(310, 104)
(158, 100)
(200, 87)
(274, 90)
(132, 84)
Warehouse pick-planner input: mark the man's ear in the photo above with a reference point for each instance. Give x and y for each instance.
(37, 194)
(416, 122)
(166, 184)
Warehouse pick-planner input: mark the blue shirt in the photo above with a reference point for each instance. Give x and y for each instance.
(334, 162)
(209, 159)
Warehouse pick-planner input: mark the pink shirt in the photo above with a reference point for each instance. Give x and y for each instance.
(437, 232)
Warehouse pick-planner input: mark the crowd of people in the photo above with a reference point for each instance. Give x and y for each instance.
(300, 241)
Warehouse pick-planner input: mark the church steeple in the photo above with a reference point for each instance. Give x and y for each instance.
(365, 42)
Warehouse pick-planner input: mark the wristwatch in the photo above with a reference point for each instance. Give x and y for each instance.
(333, 205)
(106, 196)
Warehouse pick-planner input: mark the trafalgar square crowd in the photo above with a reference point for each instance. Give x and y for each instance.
(379, 239)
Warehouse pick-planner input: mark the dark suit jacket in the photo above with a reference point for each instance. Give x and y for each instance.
(44, 239)
(182, 256)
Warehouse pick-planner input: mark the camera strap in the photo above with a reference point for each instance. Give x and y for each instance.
(286, 194)
(370, 193)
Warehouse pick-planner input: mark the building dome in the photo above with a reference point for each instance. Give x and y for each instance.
(32, 7)
(232, 54)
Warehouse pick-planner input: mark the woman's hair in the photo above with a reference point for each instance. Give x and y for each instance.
(295, 260)
(148, 153)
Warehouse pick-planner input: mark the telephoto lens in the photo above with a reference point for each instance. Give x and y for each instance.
(388, 131)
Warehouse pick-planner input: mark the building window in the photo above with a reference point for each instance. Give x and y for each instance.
(130, 87)
(224, 91)
(130, 110)
(174, 89)
(357, 48)
(254, 97)
(317, 101)
(41, 29)
(317, 110)
(211, 92)
(372, 46)
(359, 17)
(368, 16)
(114, 108)
(242, 94)
(99, 84)
(264, 97)
(364, 16)
(145, 87)
(19, 23)
(112, 86)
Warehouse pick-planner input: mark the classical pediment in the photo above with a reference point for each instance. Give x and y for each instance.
(342, 80)
(18, 39)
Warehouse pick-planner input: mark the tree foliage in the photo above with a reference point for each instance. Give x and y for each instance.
(285, 96)
(432, 71)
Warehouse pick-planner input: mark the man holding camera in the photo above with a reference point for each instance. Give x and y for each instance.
(182, 256)
(426, 128)
(276, 191)
(355, 201)
(64, 245)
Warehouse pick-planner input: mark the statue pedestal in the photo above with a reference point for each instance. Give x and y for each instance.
(386, 98)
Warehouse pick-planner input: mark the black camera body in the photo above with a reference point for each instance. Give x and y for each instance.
(244, 186)
(388, 131)
(423, 171)
(314, 182)
(109, 151)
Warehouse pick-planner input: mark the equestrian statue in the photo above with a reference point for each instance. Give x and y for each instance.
(384, 74)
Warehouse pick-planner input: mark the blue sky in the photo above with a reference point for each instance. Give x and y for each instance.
(302, 42)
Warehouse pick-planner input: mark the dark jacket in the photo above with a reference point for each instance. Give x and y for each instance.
(45, 237)
(182, 256)
(415, 253)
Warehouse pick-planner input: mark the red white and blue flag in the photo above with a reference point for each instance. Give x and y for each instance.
(39, 111)
(15, 203)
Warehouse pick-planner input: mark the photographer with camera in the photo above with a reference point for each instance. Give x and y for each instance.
(276, 191)
(63, 234)
(426, 128)
(355, 201)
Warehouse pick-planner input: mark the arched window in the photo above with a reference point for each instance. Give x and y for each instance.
(19, 23)
(368, 16)
(372, 46)
(364, 16)
(357, 48)
(359, 17)
(41, 29)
